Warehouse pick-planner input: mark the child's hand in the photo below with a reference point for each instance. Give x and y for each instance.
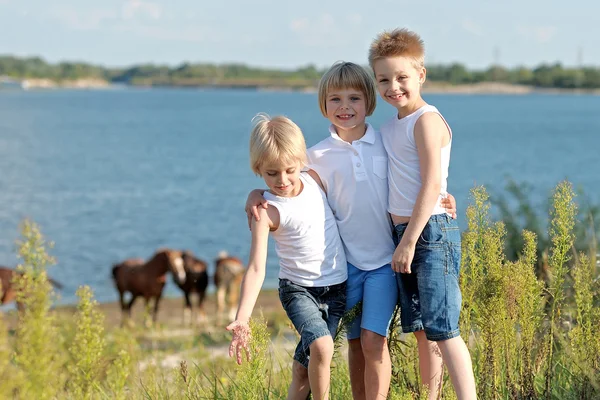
(449, 203)
(255, 199)
(240, 340)
(403, 257)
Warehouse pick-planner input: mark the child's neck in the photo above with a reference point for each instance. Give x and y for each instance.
(410, 108)
(350, 135)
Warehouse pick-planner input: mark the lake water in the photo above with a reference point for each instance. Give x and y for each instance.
(115, 174)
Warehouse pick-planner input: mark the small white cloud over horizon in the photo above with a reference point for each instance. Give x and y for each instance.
(541, 34)
(472, 27)
(134, 8)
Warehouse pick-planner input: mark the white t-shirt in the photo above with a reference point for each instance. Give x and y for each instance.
(307, 240)
(354, 176)
(404, 171)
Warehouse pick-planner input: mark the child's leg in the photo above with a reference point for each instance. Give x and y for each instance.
(437, 267)
(356, 359)
(458, 360)
(356, 365)
(431, 364)
(315, 313)
(319, 367)
(299, 388)
(379, 302)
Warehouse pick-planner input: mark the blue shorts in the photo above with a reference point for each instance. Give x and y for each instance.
(314, 311)
(378, 291)
(430, 296)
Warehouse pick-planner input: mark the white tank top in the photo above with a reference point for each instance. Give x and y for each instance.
(308, 244)
(404, 172)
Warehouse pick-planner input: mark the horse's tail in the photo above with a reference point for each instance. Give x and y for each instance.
(56, 284)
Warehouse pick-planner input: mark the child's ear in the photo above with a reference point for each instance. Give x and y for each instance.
(422, 75)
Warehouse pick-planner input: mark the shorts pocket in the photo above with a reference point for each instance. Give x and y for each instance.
(380, 166)
(432, 235)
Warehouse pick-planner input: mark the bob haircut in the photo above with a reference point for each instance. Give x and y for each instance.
(347, 75)
(275, 141)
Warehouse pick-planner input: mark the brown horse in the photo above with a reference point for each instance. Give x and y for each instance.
(229, 272)
(192, 277)
(7, 292)
(144, 279)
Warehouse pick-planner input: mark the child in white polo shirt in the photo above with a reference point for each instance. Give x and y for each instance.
(352, 166)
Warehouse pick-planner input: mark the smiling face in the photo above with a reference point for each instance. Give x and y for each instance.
(399, 82)
(346, 109)
(283, 179)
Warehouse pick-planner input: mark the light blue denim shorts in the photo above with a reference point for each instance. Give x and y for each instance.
(314, 311)
(430, 297)
(378, 291)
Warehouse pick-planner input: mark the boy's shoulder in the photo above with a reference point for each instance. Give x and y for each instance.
(326, 143)
(317, 150)
(389, 124)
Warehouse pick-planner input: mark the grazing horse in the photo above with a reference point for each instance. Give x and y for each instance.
(192, 277)
(229, 272)
(144, 279)
(7, 292)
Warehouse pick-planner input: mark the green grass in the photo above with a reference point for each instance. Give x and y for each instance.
(529, 338)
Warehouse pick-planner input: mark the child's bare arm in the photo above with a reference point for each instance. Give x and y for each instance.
(430, 134)
(254, 201)
(252, 282)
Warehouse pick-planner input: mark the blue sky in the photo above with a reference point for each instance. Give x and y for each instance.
(291, 34)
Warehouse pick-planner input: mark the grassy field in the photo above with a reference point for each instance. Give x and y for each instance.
(532, 326)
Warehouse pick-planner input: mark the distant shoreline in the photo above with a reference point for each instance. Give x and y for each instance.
(431, 87)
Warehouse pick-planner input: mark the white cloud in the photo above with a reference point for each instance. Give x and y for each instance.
(313, 32)
(134, 8)
(355, 19)
(472, 27)
(83, 20)
(181, 34)
(541, 34)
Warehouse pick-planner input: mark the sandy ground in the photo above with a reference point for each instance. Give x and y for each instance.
(170, 328)
(170, 314)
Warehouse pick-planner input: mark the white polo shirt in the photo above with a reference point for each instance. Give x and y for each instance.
(355, 180)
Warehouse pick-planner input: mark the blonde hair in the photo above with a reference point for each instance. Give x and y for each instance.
(398, 43)
(343, 75)
(276, 140)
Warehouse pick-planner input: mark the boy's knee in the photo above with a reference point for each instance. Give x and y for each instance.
(322, 349)
(373, 344)
(299, 372)
(420, 336)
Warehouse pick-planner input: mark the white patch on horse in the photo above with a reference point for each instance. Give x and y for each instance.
(179, 268)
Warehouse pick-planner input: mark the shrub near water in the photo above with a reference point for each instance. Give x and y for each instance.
(38, 348)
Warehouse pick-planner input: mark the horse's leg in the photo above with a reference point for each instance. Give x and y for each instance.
(187, 310)
(220, 302)
(201, 312)
(130, 304)
(123, 307)
(147, 318)
(233, 294)
(155, 313)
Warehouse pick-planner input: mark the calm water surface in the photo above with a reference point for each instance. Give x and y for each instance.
(115, 174)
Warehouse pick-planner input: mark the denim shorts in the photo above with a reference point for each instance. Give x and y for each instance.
(314, 311)
(430, 296)
(378, 291)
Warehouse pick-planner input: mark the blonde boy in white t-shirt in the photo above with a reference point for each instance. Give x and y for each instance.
(313, 272)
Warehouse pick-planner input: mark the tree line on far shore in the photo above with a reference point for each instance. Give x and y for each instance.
(240, 75)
